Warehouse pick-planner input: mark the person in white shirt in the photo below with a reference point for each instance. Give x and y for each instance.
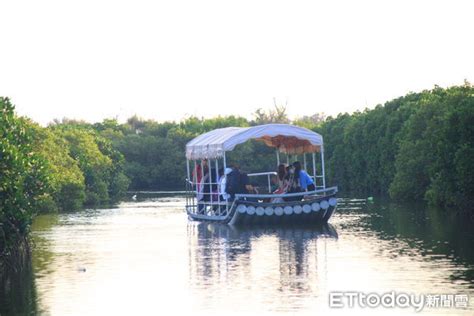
(222, 183)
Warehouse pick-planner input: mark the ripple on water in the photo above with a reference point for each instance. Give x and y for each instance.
(146, 256)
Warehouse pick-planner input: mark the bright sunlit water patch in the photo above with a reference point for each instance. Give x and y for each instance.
(145, 258)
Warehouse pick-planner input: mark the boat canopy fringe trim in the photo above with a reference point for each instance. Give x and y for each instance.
(288, 139)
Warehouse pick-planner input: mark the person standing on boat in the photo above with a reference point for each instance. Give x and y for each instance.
(200, 175)
(209, 184)
(199, 168)
(305, 181)
(222, 183)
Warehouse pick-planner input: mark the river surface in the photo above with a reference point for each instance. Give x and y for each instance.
(146, 258)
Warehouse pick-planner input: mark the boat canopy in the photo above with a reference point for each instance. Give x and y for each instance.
(286, 138)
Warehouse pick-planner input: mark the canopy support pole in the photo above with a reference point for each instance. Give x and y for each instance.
(304, 161)
(225, 167)
(195, 181)
(278, 156)
(225, 164)
(187, 168)
(322, 166)
(188, 187)
(218, 186)
(269, 184)
(288, 159)
(314, 168)
(209, 168)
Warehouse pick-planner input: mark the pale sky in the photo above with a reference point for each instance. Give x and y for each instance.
(95, 59)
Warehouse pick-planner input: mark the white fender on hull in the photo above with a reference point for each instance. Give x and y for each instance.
(306, 209)
(315, 207)
(297, 209)
(324, 205)
(241, 208)
(269, 211)
(250, 210)
(278, 211)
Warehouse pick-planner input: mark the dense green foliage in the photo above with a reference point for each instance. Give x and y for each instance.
(361, 148)
(65, 177)
(419, 146)
(154, 151)
(23, 180)
(437, 149)
(414, 147)
(62, 167)
(83, 168)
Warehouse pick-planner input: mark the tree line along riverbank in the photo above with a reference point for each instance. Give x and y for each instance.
(416, 147)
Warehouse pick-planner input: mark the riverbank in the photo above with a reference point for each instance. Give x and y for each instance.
(17, 291)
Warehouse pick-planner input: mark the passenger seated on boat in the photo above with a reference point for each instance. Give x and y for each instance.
(237, 183)
(306, 183)
(282, 179)
(245, 186)
(233, 182)
(251, 189)
(293, 184)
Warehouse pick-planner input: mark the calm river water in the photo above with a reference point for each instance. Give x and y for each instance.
(146, 258)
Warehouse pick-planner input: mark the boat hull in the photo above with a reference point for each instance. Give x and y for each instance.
(248, 213)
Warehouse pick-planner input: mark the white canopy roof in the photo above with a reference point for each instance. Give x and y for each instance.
(287, 138)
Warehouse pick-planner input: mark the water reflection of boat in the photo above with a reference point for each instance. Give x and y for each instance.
(274, 260)
(316, 205)
(229, 233)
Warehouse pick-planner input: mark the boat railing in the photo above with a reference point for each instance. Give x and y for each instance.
(211, 203)
(320, 192)
(220, 208)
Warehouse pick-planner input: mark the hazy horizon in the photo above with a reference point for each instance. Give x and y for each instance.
(248, 116)
(170, 60)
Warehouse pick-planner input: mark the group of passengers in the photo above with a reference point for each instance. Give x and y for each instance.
(225, 183)
(292, 179)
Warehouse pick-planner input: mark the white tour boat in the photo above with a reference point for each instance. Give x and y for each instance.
(205, 201)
